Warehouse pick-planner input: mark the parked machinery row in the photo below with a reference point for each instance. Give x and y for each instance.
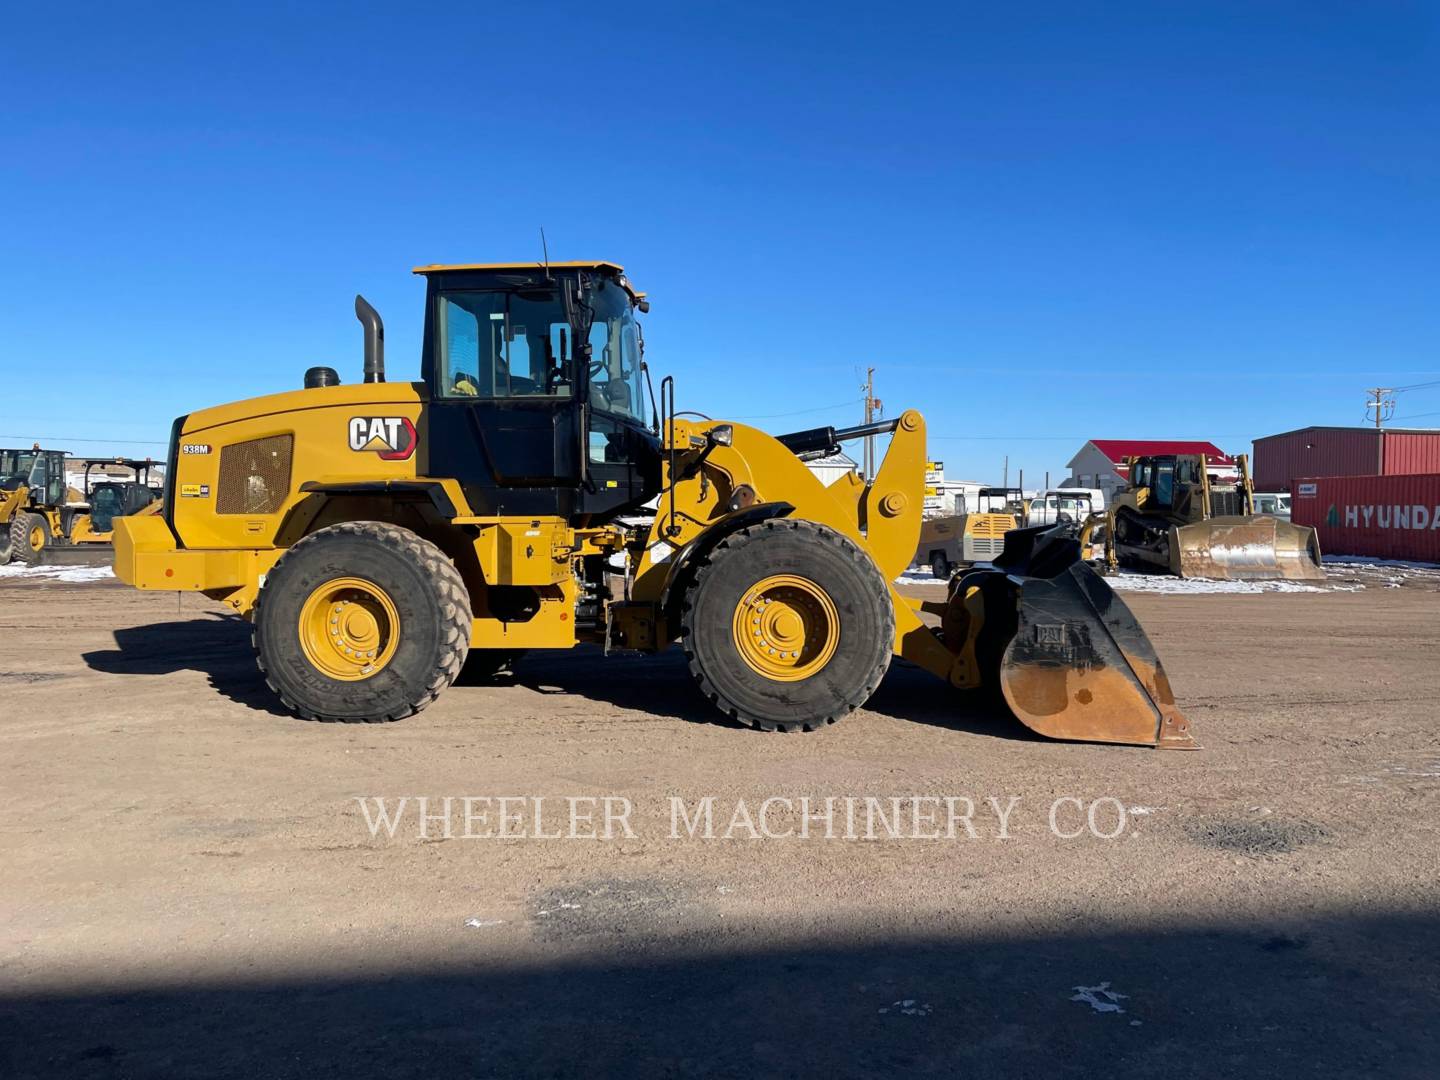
(44, 520)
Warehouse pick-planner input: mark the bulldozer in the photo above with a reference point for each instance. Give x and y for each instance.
(960, 541)
(1178, 518)
(531, 492)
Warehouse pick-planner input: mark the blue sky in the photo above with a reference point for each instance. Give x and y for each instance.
(1013, 211)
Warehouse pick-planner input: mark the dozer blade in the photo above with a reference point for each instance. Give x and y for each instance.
(1078, 666)
(1259, 548)
(77, 555)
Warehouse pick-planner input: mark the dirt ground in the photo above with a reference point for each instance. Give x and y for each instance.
(188, 885)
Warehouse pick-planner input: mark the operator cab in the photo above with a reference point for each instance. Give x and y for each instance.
(109, 499)
(15, 468)
(539, 402)
(41, 471)
(1172, 479)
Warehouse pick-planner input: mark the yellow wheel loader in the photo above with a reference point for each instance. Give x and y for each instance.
(33, 493)
(1177, 518)
(377, 535)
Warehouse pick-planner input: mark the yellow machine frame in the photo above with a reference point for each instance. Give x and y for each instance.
(232, 553)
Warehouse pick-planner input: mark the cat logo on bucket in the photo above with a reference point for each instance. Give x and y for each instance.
(392, 437)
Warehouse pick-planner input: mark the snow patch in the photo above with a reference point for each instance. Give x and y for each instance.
(1091, 995)
(1129, 581)
(909, 1007)
(71, 574)
(1368, 560)
(918, 576)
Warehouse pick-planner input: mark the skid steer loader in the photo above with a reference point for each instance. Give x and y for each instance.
(1175, 517)
(379, 534)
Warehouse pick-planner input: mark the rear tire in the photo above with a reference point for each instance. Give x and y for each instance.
(7, 547)
(29, 536)
(940, 566)
(409, 603)
(833, 604)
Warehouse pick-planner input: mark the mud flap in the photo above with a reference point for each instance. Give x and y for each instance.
(1259, 548)
(1079, 666)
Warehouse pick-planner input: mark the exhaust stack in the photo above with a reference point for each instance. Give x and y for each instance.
(374, 340)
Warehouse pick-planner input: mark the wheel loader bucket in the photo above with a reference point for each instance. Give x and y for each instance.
(1259, 548)
(1078, 665)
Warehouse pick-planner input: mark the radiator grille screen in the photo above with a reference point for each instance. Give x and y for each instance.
(254, 476)
(1225, 503)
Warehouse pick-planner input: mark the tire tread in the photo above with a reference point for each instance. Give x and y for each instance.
(731, 547)
(455, 611)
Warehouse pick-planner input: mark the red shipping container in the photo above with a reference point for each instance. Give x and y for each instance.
(1388, 517)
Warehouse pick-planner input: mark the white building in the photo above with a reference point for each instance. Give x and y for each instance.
(832, 468)
(1101, 462)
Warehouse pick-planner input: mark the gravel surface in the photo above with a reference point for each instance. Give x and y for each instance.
(190, 885)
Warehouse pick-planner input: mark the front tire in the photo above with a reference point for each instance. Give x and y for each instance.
(7, 547)
(788, 626)
(940, 566)
(362, 622)
(29, 536)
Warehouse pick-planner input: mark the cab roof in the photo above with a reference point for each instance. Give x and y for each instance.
(576, 264)
(573, 264)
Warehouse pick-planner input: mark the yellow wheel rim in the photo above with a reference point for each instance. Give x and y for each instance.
(37, 539)
(349, 629)
(786, 627)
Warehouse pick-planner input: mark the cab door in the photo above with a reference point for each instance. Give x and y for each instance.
(504, 417)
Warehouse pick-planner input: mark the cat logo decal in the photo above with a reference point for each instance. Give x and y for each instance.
(392, 437)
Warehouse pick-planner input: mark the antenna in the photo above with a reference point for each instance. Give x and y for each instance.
(545, 252)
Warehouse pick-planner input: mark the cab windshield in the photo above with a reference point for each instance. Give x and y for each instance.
(615, 376)
(16, 463)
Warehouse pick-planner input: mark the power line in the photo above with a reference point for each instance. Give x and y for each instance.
(67, 439)
(797, 412)
(1416, 386)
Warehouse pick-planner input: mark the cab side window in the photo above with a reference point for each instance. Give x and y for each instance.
(501, 345)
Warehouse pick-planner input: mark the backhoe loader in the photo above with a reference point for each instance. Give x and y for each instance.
(1176, 517)
(378, 535)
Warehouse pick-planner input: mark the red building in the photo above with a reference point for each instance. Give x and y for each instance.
(1280, 460)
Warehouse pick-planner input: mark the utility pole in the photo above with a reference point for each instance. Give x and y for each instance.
(873, 409)
(1380, 404)
(1006, 481)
